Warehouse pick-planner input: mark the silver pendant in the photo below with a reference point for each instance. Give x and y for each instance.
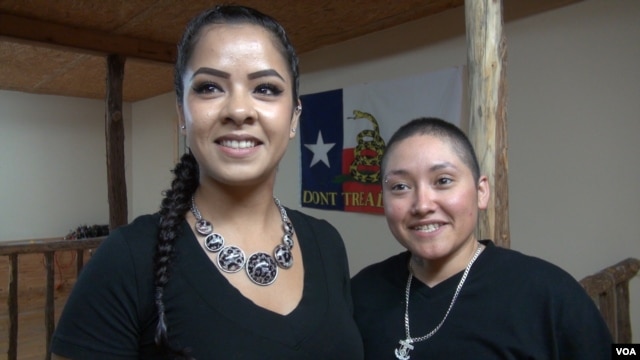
(288, 228)
(231, 259)
(402, 352)
(261, 269)
(203, 227)
(287, 240)
(214, 242)
(283, 256)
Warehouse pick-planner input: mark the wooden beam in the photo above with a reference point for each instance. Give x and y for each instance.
(486, 49)
(12, 300)
(49, 307)
(49, 244)
(114, 129)
(57, 35)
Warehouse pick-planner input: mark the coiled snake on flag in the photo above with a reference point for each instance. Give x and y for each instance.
(365, 167)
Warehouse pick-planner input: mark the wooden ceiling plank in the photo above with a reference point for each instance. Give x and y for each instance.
(143, 23)
(56, 35)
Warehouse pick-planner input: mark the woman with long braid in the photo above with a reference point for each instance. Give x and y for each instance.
(223, 270)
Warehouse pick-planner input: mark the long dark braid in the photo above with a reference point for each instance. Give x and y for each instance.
(176, 203)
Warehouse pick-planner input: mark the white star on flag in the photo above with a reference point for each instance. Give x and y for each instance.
(320, 150)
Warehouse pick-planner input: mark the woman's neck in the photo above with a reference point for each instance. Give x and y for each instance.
(433, 272)
(237, 207)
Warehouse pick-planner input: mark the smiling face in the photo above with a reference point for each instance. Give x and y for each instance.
(431, 199)
(238, 106)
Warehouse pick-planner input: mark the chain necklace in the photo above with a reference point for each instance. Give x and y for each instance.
(402, 352)
(261, 268)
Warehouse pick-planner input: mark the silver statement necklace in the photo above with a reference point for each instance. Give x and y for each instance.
(261, 267)
(402, 352)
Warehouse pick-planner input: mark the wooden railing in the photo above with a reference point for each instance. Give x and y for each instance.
(609, 288)
(47, 247)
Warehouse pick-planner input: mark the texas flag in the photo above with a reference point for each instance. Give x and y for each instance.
(344, 132)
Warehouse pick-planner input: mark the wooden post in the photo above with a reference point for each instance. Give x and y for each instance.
(79, 261)
(49, 306)
(114, 129)
(486, 49)
(12, 353)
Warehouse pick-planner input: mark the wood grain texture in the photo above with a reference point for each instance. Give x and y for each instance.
(58, 47)
(116, 177)
(609, 288)
(486, 50)
(40, 274)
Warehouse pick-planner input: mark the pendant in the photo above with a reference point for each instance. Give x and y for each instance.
(203, 227)
(262, 269)
(402, 352)
(214, 242)
(287, 239)
(231, 259)
(283, 256)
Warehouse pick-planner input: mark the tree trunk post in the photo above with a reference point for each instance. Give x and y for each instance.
(486, 49)
(114, 131)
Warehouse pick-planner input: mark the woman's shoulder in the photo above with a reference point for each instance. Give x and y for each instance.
(529, 267)
(306, 222)
(136, 238)
(141, 225)
(388, 267)
(299, 215)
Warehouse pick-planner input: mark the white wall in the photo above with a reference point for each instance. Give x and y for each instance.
(574, 121)
(573, 112)
(53, 175)
(154, 152)
(574, 128)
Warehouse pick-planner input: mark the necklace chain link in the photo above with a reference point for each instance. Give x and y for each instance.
(402, 352)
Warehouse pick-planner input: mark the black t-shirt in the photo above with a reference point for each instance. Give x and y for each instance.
(511, 306)
(111, 314)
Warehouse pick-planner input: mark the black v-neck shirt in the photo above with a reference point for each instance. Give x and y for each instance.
(111, 314)
(511, 306)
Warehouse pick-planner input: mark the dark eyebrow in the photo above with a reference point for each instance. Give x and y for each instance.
(210, 71)
(395, 173)
(443, 165)
(225, 75)
(436, 167)
(265, 73)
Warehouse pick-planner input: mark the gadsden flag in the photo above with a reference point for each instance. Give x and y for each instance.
(344, 132)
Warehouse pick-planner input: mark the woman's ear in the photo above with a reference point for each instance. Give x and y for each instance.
(295, 120)
(484, 192)
(181, 123)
